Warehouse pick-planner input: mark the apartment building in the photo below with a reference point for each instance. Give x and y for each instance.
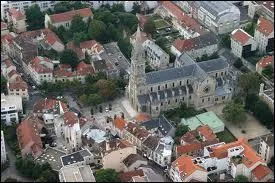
(260, 8)
(17, 20)
(11, 108)
(76, 174)
(18, 87)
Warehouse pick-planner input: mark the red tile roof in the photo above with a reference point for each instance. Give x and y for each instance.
(18, 85)
(13, 72)
(265, 26)
(142, 20)
(71, 45)
(137, 131)
(59, 72)
(173, 9)
(8, 63)
(70, 118)
(206, 132)
(16, 14)
(127, 176)
(141, 117)
(3, 26)
(51, 37)
(68, 16)
(7, 38)
(28, 136)
(91, 44)
(119, 123)
(48, 104)
(37, 65)
(84, 69)
(266, 61)
(182, 149)
(240, 36)
(186, 166)
(261, 171)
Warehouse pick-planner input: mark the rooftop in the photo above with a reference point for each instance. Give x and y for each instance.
(265, 26)
(132, 158)
(240, 36)
(97, 135)
(210, 119)
(119, 123)
(127, 176)
(75, 157)
(261, 171)
(68, 16)
(266, 61)
(267, 4)
(268, 139)
(142, 117)
(9, 100)
(77, 173)
(16, 14)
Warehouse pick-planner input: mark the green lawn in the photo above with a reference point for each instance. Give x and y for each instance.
(160, 24)
(226, 136)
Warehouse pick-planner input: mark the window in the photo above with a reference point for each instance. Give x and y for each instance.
(161, 104)
(182, 98)
(180, 83)
(216, 99)
(151, 89)
(157, 108)
(202, 100)
(173, 84)
(67, 24)
(23, 89)
(176, 100)
(221, 73)
(216, 74)
(208, 98)
(17, 89)
(187, 81)
(158, 87)
(223, 97)
(190, 97)
(165, 85)
(168, 101)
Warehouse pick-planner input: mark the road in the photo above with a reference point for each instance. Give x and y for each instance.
(11, 171)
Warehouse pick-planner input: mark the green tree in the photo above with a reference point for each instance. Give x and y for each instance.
(4, 85)
(238, 63)
(79, 5)
(250, 28)
(125, 47)
(62, 6)
(97, 31)
(69, 57)
(118, 7)
(35, 18)
(250, 101)
(84, 99)
(263, 113)
(79, 37)
(77, 24)
(149, 26)
(107, 17)
(268, 71)
(136, 8)
(128, 20)
(106, 175)
(106, 88)
(234, 112)
(241, 178)
(249, 83)
(95, 99)
(181, 130)
(225, 41)
(161, 42)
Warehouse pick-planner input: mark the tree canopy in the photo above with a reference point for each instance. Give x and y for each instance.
(35, 18)
(106, 88)
(106, 175)
(3, 85)
(97, 30)
(136, 8)
(125, 47)
(149, 26)
(241, 178)
(234, 112)
(77, 24)
(181, 130)
(69, 57)
(249, 83)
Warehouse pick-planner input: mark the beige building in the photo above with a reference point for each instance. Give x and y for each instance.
(242, 44)
(64, 19)
(76, 174)
(18, 87)
(266, 149)
(114, 152)
(264, 35)
(267, 96)
(17, 20)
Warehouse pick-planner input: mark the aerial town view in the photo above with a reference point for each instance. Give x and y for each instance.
(137, 91)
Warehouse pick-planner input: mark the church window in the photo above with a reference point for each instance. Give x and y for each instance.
(176, 100)
(202, 101)
(225, 73)
(140, 91)
(158, 87)
(180, 83)
(216, 99)
(187, 81)
(173, 84)
(216, 74)
(151, 89)
(221, 73)
(182, 98)
(165, 85)
(161, 104)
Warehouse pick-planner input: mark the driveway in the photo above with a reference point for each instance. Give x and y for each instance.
(11, 171)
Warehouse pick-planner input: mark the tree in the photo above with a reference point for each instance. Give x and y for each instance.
(250, 101)
(77, 24)
(238, 63)
(263, 113)
(117, 8)
(268, 71)
(149, 26)
(35, 18)
(97, 31)
(249, 83)
(106, 88)
(181, 130)
(125, 47)
(250, 28)
(234, 112)
(3, 85)
(79, 37)
(136, 8)
(95, 99)
(161, 42)
(62, 6)
(241, 178)
(106, 175)
(69, 57)
(79, 5)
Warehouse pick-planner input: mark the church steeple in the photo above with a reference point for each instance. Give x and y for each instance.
(137, 48)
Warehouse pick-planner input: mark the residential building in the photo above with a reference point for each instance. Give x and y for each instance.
(23, 5)
(264, 35)
(184, 23)
(3, 149)
(158, 149)
(266, 149)
(63, 72)
(157, 58)
(208, 118)
(183, 169)
(221, 17)
(91, 47)
(71, 45)
(6, 42)
(11, 108)
(242, 44)
(142, 117)
(4, 29)
(13, 75)
(206, 44)
(260, 8)
(17, 20)
(78, 158)
(133, 176)
(135, 134)
(193, 142)
(64, 19)
(264, 62)
(76, 174)
(160, 126)
(83, 70)
(18, 87)
(196, 84)
(28, 135)
(114, 152)
(6, 67)
(267, 96)
(41, 70)
(133, 161)
(119, 123)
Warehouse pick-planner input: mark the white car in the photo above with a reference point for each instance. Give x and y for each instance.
(106, 109)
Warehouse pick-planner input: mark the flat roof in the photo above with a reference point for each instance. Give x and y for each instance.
(52, 156)
(9, 100)
(192, 122)
(210, 119)
(96, 134)
(74, 157)
(78, 174)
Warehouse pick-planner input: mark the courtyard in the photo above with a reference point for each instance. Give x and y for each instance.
(250, 129)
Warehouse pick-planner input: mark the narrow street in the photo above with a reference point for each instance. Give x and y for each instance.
(11, 171)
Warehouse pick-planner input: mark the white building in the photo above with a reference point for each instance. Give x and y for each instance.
(267, 96)
(76, 174)
(98, 4)
(266, 149)
(79, 158)
(262, 8)
(3, 149)
(23, 5)
(157, 58)
(41, 69)
(264, 35)
(242, 44)
(11, 107)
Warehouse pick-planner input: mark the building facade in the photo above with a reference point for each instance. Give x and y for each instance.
(198, 84)
(11, 108)
(266, 149)
(17, 20)
(3, 149)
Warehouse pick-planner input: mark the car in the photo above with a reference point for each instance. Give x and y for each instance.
(33, 87)
(107, 109)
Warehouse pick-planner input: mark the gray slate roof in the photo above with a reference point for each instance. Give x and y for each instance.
(132, 158)
(213, 65)
(151, 142)
(100, 64)
(161, 123)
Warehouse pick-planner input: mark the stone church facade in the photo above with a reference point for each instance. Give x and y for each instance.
(199, 85)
